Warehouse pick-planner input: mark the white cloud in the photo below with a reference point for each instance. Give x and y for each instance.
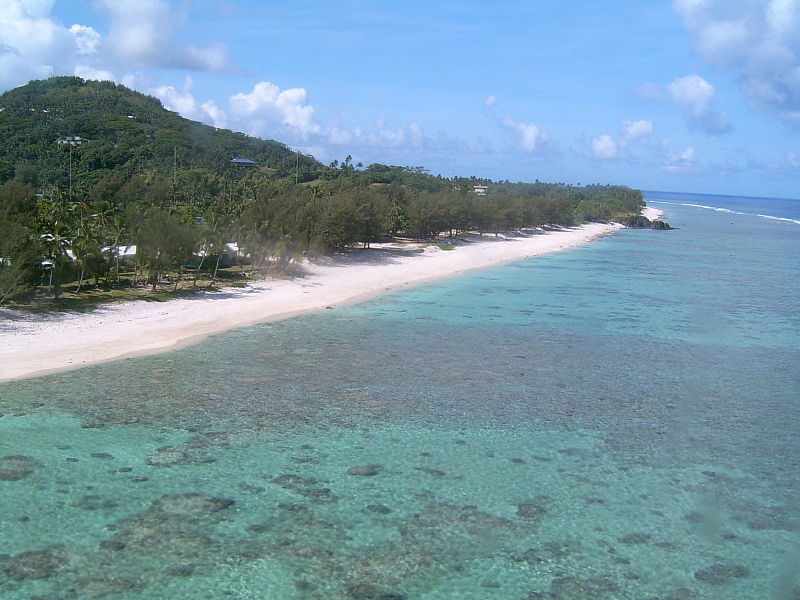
(35, 9)
(181, 101)
(793, 160)
(490, 101)
(266, 108)
(760, 39)
(286, 115)
(411, 136)
(137, 81)
(637, 129)
(86, 38)
(217, 115)
(695, 96)
(86, 72)
(604, 146)
(142, 34)
(684, 162)
(268, 111)
(693, 93)
(528, 135)
(34, 46)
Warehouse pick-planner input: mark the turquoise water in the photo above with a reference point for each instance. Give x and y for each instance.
(617, 421)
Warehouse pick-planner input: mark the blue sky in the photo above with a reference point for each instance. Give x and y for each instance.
(690, 95)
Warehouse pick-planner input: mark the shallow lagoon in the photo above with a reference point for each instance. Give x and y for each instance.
(617, 421)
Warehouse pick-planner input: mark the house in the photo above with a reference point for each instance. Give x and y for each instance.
(243, 162)
(480, 189)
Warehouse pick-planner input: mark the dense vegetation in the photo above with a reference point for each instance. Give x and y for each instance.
(88, 168)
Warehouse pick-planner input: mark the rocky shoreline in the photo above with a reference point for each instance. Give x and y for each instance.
(642, 222)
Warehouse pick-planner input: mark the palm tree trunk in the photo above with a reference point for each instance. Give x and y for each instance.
(197, 271)
(80, 280)
(216, 266)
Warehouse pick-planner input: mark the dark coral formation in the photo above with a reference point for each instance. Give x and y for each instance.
(306, 486)
(533, 510)
(365, 470)
(36, 564)
(17, 466)
(719, 574)
(194, 451)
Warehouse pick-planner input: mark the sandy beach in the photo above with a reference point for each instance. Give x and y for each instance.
(652, 213)
(35, 345)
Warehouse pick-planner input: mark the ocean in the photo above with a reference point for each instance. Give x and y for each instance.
(618, 421)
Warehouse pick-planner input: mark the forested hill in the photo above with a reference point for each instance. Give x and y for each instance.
(126, 133)
(88, 168)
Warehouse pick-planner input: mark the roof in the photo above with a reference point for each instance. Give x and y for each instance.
(245, 162)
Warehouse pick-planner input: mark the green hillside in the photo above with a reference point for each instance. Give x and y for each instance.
(127, 133)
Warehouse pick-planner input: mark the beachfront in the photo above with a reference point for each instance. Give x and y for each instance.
(32, 346)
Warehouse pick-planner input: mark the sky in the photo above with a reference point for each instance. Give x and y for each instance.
(690, 95)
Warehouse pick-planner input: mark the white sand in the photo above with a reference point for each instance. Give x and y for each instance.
(654, 214)
(36, 345)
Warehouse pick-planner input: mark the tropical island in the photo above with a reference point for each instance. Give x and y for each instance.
(105, 195)
(91, 169)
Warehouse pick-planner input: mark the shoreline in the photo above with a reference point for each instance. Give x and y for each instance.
(654, 214)
(43, 344)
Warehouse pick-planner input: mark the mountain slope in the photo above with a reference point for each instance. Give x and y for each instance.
(127, 132)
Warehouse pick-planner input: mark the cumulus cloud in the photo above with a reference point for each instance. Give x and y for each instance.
(383, 136)
(268, 111)
(636, 129)
(86, 39)
(409, 137)
(32, 45)
(86, 72)
(181, 101)
(215, 113)
(684, 162)
(528, 135)
(695, 96)
(142, 34)
(759, 39)
(266, 105)
(604, 146)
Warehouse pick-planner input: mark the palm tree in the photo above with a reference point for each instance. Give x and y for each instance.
(86, 245)
(58, 247)
(117, 231)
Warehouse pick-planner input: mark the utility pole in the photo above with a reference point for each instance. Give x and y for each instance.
(71, 141)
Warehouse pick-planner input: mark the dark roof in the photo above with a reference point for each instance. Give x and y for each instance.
(246, 162)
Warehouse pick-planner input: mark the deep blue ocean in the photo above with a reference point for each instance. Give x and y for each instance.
(618, 421)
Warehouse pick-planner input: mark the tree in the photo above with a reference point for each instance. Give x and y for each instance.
(86, 245)
(116, 231)
(57, 245)
(163, 242)
(13, 273)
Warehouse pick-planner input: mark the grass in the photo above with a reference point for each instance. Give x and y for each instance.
(441, 246)
(90, 297)
(416, 244)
